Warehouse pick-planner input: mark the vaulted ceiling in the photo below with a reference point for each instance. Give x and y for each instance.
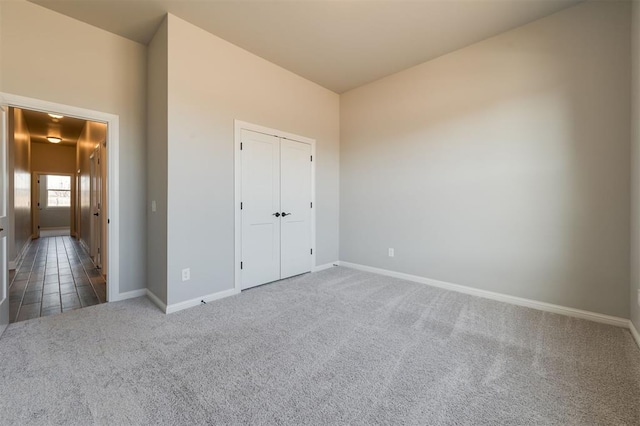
(339, 44)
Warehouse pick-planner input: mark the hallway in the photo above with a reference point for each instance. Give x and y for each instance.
(56, 276)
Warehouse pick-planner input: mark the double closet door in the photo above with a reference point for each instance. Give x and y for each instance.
(276, 208)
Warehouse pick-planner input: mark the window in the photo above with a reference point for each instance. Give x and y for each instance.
(58, 191)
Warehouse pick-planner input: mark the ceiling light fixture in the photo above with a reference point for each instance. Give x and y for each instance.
(54, 139)
(58, 116)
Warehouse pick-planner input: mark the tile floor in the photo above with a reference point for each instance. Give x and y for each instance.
(56, 276)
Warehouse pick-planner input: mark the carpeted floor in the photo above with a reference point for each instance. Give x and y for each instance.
(334, 347)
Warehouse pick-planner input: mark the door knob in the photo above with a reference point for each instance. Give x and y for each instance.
(285, 214)
(276, 214)
(96, 214)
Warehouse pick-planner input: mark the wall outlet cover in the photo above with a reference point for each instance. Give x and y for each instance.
(186, 274)
(391, 252)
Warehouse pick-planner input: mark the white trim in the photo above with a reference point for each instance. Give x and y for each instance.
(238, 126)
(156, 301)
(514, 300)
(113, 173)
(198, 300)
(14, 264)
(325, 266)
(130, 294)
(55, 232)
(634, 333)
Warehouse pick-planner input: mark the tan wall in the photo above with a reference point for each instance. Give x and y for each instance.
(19, 184)
(93, 69)
(53, 158)
(211, 83)
(503, 166)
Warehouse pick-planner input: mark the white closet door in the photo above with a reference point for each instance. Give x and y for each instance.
(260, 202)
(295, 201)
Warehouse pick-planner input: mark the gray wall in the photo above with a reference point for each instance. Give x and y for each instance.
(19, 195)
(95, 70)
(157, 128)
(635, 165)
(211, 83)
(503, 166)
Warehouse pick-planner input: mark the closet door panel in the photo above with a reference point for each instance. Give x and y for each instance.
(260, 202)
(295, 201)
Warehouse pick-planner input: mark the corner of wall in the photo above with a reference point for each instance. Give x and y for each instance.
(635, 167)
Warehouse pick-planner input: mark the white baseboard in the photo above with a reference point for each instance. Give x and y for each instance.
(634, 333)
(319, 268)
(514, 300)
(198, 300)
(84, 246)
(156, 300)
(14, 264)
(129, 295)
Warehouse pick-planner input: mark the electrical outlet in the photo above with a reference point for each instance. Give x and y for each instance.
(186, 274)
(153, 206)
(391, 252)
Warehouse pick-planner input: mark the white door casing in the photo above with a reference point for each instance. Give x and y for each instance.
(290, 159)
(261, 195)
(112, 178)
(4, 223)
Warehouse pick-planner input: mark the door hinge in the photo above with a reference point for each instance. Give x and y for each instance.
(240, 146)
(312, 158)
(311, 204)
(108, 221)
(311, 251)
(240, 205)
(38, 226)
(240, 265)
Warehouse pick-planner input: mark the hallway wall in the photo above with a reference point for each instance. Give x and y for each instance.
(19, 184)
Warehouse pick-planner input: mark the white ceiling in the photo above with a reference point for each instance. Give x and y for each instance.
(41, 125)
(339, 44)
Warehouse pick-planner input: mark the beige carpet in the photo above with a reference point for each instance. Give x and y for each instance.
(334, 347)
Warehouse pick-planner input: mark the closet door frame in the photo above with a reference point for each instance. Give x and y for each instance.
(238, 127)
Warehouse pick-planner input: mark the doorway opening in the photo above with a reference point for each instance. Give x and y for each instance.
(52, 206)
(58, 207)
